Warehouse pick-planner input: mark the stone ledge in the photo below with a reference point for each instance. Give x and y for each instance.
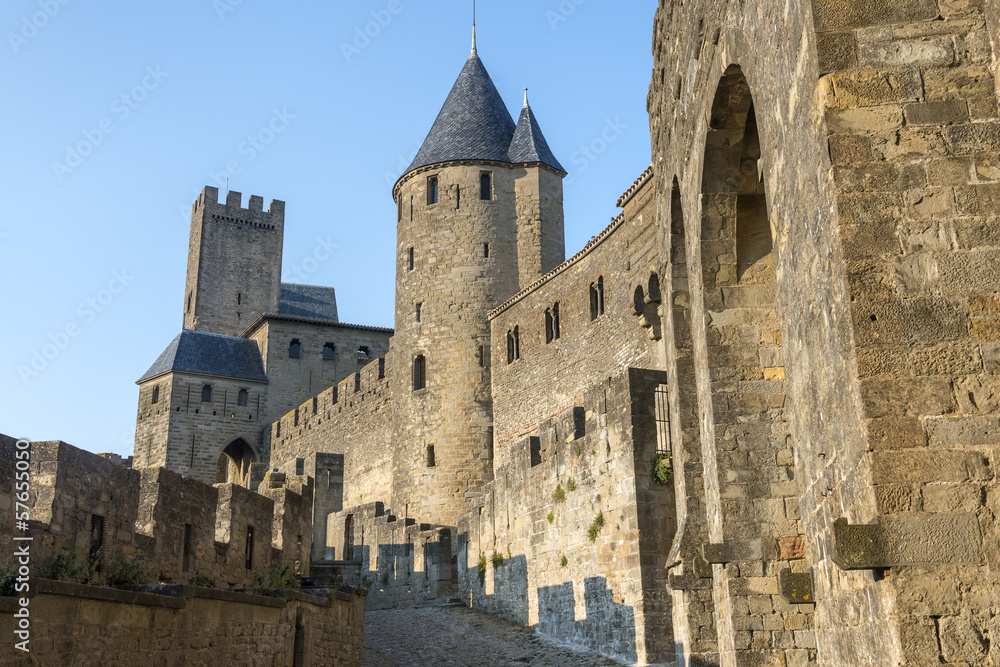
(69, 589)
(908, 540)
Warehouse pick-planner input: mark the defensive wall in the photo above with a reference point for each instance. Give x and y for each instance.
(826, 182)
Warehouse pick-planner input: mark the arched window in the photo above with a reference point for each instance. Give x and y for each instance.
(329, 351)
(549, 333)
(294, 348)
(597, 298)
(242, 398)
(206, 393)
(430, 456)
(510, 347)
(419, 372)
(156, 395)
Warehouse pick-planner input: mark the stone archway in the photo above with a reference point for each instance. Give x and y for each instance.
(234, 462)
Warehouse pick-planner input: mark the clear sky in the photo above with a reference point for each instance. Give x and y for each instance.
(117, 114)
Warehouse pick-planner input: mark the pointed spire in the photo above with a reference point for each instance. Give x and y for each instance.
(528, 144)
(474, 53)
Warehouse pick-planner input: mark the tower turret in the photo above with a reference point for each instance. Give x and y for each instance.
(459, 240)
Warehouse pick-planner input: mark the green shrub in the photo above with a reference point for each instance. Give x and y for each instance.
(564, 562)
(385, 578)
(663, 468)
(571, 485)
(559, 494)
(551, 517)
(496, 558)
(67, 566)
(481, 566)
(282, 576)
(595, 527)
(127, 572)
(203, 580)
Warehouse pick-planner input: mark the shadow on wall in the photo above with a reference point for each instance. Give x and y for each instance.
(605, 626)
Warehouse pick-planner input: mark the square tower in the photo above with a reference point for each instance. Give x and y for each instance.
(234, 262)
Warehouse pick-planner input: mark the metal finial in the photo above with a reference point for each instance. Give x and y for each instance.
(473, 29)
(525, 97)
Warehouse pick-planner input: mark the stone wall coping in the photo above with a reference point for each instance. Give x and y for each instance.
(70, 589)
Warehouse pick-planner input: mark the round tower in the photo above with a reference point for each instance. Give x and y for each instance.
(459, 205)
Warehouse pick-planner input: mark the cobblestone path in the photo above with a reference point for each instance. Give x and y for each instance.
(435, 636)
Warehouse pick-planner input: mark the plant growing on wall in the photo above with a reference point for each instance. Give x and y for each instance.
(67, 566)
(571, 485)
(497, 559)
(563, 562)
(559, 494)
(203, 580)
(551, 517)
(595, 526)
(663, 468)
(282, 576)
(481, 567)
(127, 572)
(385, 578)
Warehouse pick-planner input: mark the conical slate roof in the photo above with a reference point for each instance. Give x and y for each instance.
(473, 124)
(528, 144)
(209, 354)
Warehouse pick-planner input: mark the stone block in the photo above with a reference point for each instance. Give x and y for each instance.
(791, 548)
(875, 87)
(833, 15)
(948, 112)
(958, 82)
(969, 431)
(836, 50)
(896, 433)
(908, 540)
(910, 466)
(866, 119)
(952, 497)
(884, 396)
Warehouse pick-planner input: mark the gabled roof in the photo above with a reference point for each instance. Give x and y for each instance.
(528, 144)
(209, 354)
(473, 124)
(310, 301)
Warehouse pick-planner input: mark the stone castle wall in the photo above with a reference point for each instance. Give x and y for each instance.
(843, 374)
(609, 593)
(293, 380)
(549, 378)
(185, 435)
(234, 262)
(73, 624)
(353, 419)
(177, 527)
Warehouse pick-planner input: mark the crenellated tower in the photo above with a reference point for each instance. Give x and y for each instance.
(479, 215)
(234, 262)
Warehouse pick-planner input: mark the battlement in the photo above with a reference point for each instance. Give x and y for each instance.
(231, 210)
(177, 527)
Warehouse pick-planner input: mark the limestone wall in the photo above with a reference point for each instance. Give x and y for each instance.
(401, 562)
(549, 377)
(72, 624)
(177, 527)
(536, 518)
(293, 380)
(353, 419)
(184, 434)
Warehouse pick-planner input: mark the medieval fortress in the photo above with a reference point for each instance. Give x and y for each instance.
(754, 422)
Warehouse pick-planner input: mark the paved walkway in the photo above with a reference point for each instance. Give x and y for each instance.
(435, 636)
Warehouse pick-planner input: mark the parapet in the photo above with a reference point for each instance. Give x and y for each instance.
(232, 209)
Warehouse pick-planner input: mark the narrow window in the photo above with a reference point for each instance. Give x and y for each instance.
(190, 294)
(432, 190)
(593, 301)
(485, 186)
(486, 250)
(430, 456)
(517, 344)
(294, 348)
(510, 347)
(549, 332)
(482, 357)
(249, 552)
(458, 196)
(241, 398)
(206, 393)
(96, 541)
(296, 416)
(363, 355)
(600, 295)
(188, 539)
(399, 208)
(535, 443)
(239, 298)
(300, 466)
(555, 320)
(409, 261)
(419, 306)
(419, 372)
(156, 395)
(329, 351)
(357, 382)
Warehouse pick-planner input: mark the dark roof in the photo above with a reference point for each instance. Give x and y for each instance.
(267, 317)
(473, 124)
(310, 301)
(528, 144)
(209, 354)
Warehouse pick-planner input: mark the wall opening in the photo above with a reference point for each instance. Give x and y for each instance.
(206, 393)
(249, 549)
(409, 259)
(535, 447)
(294, 348)
(486, 186)
(329, 351)
(597, 298)
(234, 462)
(419, 372)
(348, 538)
(430, 456)
(156, 396)
(96, 552)
(242, 398)
(432, 190)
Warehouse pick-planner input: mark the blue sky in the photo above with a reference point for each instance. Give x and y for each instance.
(116, 114)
